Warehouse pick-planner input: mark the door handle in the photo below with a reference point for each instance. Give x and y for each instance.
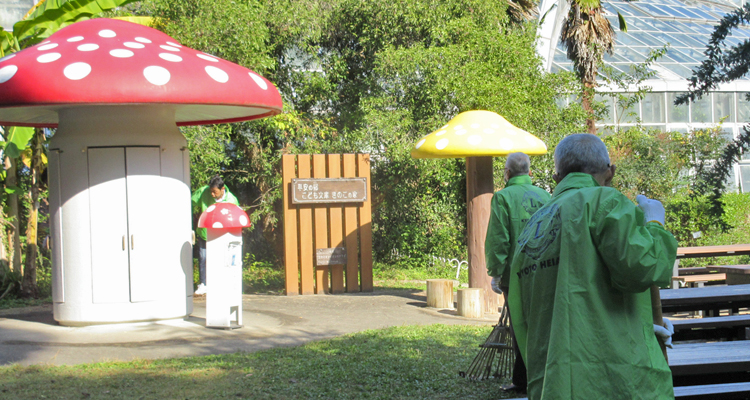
(123, 242)
(132, 242)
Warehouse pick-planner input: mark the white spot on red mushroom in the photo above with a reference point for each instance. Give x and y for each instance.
(142, 40)
(170, 57)
(207, 57)
(441, 144)
(474, 139)
(217, 74)
(121, 53)
(259, 81)
(49, 57)
(47, 47)
(169, 48)
(210, 208)
(75, 39)
(107, 33)
(88, 47)
(45, 42)
(440, 133)
(243, 220)
(156, 75)
(8, 57)
(77, 71)
(217, 225)
(421, 142)
(174, 44)
(7, 72)
(133, 45)
(224, 211)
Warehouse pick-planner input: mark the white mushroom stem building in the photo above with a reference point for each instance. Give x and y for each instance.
(119, 169)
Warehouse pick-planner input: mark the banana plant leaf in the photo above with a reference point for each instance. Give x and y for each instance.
(17, 140)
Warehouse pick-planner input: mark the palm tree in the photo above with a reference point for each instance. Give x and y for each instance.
(587, 34)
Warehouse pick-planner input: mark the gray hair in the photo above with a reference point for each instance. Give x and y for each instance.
(517, 164)
(581, 152)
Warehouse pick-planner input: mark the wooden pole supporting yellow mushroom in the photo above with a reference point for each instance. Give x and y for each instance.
(478, 136)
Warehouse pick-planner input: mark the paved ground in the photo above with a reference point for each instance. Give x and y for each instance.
(31, 336)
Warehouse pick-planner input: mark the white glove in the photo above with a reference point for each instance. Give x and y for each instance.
(665, 332)
(496, 285)
(653, 210)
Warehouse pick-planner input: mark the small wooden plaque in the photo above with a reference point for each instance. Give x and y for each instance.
(329, 190)
(332, 256)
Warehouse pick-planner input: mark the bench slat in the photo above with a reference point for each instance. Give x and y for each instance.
(729, 321)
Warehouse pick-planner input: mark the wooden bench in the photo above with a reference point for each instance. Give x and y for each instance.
(699, 280)
(695, 270)
(736, 274)
(738, 390)
(712, 328)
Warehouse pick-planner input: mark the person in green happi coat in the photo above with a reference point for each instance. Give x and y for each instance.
(204, 197)
(580, 280)
(510, 210)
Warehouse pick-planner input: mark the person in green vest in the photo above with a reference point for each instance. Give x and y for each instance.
(510, 210)
(580, 280)
(214, 192)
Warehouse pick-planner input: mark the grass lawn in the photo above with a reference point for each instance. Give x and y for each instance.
(409, 362)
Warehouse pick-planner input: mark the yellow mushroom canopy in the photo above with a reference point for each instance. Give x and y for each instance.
(477, 134)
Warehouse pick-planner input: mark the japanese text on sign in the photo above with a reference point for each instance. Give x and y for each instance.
(329, 190)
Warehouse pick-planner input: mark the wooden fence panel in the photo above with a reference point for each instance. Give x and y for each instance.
(291, 262)
(306, 254)
(350, 231)
(365, 225)
(321, 227)
(335, 213)
(324, 225)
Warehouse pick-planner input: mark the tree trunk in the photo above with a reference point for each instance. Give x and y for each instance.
(29, 285)
(14, 236)
(479, 190)
(587, 102)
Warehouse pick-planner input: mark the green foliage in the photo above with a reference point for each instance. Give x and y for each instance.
(261, 276)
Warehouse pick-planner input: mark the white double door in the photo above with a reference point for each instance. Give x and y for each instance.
(125, 198)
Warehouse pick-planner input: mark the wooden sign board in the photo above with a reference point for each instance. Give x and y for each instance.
(332, 256)
(329, 190)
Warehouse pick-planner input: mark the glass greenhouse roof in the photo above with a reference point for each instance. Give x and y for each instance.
(685, 25)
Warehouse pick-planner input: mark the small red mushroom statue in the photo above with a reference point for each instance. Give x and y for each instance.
(117, 92)
(224, 223)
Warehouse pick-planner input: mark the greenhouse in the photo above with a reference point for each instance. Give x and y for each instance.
(685, 26)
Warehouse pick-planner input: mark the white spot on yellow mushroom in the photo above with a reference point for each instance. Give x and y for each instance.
(170, 57)
(75, 39)
(133, 45)
(258, 81)
(461, 132)
(441, 144)
(489, 131)
(440, 133)
(217, 74)
(7, 72)
(49, 57)
(496, 126)
(169, 48)
(475, 126)
(156, 75)
(121, 53)
(217, 225)
(210, 208)
(88, 47)
(142, 40)
(458, 127)
(47, 47)
(474, 139)
(420, 143)
(506, 144)
(77, 71)
(107, 33)
(531, 140)
(444, 126)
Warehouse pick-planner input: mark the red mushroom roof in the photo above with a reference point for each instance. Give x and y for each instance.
(112, 62)
(222, 216)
